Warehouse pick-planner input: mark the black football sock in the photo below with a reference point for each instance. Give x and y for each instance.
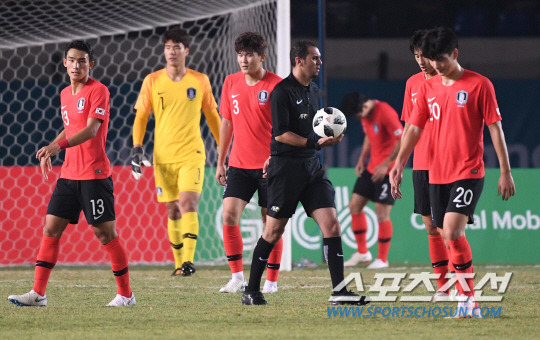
(333, 254)
(258, 264)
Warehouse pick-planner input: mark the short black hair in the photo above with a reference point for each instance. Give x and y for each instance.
(417, 39)
(250, 42)
(80, 45)
(300, 49)
(178, 35)
(352, 103)
(439, 41)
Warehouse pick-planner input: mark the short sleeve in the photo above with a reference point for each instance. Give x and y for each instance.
(488, 103)
(279, 105)
(420, 111)
(225, 104)
(100, 103)
(407, 103)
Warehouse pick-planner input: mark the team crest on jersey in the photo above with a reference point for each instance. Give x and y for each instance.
(262, 96)
(80, 104)
(461, 97)
(376, 128)
(191, 93)
(159, 191)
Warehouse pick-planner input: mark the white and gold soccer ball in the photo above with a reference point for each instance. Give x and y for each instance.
(329, 122)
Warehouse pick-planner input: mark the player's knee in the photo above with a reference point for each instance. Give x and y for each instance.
(105, 236)
(230, 218)
(355, 208)
(173, 211)
(332, 229)
(273, 235)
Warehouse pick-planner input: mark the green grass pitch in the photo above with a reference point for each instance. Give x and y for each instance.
(192, 308)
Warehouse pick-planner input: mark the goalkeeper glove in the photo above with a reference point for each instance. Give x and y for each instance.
(138, 157)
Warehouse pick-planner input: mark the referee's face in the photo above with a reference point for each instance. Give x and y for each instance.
(313, 62)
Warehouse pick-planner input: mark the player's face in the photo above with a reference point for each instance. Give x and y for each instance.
(445, 64)
(78, 64)
(175, 53)
(250, 62)
(423, 62)
(312, 64)
(367, 109)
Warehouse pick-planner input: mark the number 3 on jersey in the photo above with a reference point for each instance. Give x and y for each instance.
(65, 117)
(236, 109)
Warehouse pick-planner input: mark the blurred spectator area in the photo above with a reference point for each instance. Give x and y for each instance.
(399, 18)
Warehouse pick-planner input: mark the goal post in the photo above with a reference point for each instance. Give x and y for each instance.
(126, 35)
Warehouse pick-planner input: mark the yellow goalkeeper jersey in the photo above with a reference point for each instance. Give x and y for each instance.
(177, 111)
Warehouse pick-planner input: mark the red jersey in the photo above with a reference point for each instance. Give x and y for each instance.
(421, 150)
(456, 114)
(383, 130)
(87, 160)
(248, 108)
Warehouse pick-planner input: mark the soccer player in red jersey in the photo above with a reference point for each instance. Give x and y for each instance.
(438, 251)
(457, 103)
(85, 181)
(245, 107)
(382, 130)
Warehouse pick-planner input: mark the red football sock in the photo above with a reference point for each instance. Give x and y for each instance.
(439, 258)
(452, 269)
(272, 267)
(119, 265)
(359, 227)
(45, 262)
(461, 253)
(385, 235)
(233, 243)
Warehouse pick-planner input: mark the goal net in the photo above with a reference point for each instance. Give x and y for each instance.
(126, 36)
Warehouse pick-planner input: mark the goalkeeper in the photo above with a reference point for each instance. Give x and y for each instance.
(176, 95)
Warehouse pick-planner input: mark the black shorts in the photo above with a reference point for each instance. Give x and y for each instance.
(460, 196)
(420, 180)
(242, 184)
(94, 197)
(374, 191)
(293, 180)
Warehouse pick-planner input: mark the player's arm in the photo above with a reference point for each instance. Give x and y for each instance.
(366, 149)
(214, 123)
(506, 186)
(225, 134)
(138, 157)
(60, 142)
(382, 169)
(407, 146)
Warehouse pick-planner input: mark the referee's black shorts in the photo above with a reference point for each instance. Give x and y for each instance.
(294, 180)
(94, 197)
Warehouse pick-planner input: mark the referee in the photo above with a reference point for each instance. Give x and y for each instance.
(296, 175)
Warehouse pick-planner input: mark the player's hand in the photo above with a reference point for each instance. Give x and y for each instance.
(221, 174)
(48, 151)
(329, 141)
(138, 158)
(265, 167)
(396, 175)
(506, 186)
(45, 166)
(359, 168)
(379, 173)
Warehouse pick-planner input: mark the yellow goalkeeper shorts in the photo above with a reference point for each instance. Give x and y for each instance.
(173, 178)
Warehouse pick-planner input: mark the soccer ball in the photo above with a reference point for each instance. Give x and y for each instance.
(329, 122)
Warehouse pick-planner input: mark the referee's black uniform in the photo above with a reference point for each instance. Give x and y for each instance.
(295, 173)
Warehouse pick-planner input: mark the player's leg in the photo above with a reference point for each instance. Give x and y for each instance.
(363, 192)
(166, 177)
(233, 243)
(241, 185)
(274, 261)
(436, 244)
(97, 199)
(63, 208)
(190, 184)
(272, 233)
(385, 235)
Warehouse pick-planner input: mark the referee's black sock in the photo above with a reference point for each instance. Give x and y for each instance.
(258, 264)
(333, 254)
